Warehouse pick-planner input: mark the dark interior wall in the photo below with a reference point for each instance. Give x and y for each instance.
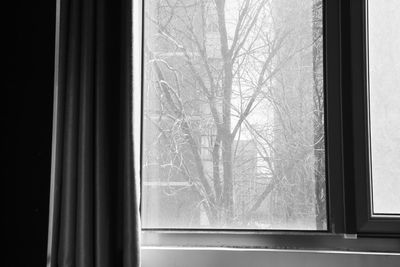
(29, 65)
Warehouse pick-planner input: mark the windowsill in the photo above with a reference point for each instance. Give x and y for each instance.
(271, 241)
(144, 247)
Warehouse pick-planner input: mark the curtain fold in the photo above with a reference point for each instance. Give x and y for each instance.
(94, 218)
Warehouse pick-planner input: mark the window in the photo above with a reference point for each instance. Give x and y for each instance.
(374, 110)
(247, 128)
(233, 115)
(384, 96)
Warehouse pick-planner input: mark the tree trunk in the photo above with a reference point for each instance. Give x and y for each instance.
(227, 196)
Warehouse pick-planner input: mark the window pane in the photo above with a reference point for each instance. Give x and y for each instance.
(233, 115)
(384, 79)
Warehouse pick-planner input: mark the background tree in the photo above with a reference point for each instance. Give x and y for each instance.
(227, 114)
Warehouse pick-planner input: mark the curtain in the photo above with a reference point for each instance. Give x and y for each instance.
(94, 217)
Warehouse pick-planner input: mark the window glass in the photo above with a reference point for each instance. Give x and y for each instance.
(233, 115)
(384, 89)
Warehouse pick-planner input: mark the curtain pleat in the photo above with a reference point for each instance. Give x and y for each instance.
(84, 228)
(94, 220)
(102, 195)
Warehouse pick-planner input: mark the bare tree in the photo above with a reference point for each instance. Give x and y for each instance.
(210, 66)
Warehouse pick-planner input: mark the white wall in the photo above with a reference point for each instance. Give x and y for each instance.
(237, 258)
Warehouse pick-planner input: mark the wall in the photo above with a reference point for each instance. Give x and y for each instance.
(226, 258)
(27, 95)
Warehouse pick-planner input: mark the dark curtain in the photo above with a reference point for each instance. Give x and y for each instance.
(93, 210)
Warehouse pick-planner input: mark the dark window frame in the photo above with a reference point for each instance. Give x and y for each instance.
(342, 77)
(366, 223)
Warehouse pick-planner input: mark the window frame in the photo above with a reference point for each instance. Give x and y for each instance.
(343, 231)
(367, 224)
